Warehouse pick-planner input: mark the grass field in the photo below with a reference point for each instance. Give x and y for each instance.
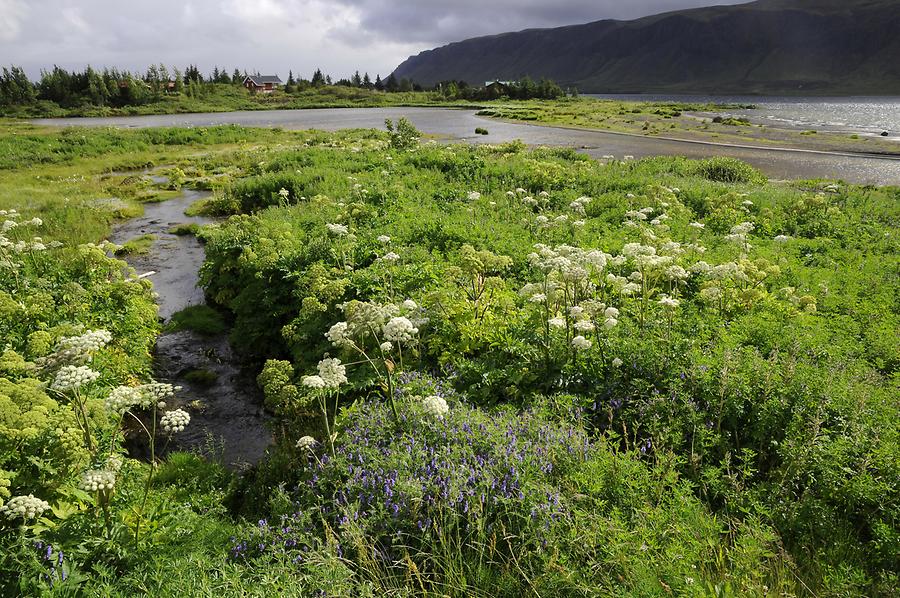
(494, 371)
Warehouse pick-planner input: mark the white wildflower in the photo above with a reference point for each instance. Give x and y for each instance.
(24, 507)
(306, 443)
(399, 330)
(332, 373)
(123, 398)
(584, 326)
(435, 406)
(386, 346)
(312, 382)
(474, 196)
(669, 302)
(338, 230)
(174, 421)
(580, 343)
(617, 363)
(384, 239)
(556, 322)
(95, 480)
(73, 377)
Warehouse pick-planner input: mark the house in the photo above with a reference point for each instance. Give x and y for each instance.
(496, 88)
(262, 83)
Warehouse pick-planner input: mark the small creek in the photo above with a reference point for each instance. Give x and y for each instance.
(227, 418)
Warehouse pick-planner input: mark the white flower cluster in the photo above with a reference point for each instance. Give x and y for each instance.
(73, 377)
(314, 382)
(338, 230)
(175, 421)
(24, 507)
(435, 406)
(571, 263)
(400, 330)
(332, 373)
(76, 350)
(307, 443)
(578, 205)
(384, 239)
(580, 343)
(123, 398)
(474, 196)
(95, 480)
(669, 302)
(389, 257)
(738, 235)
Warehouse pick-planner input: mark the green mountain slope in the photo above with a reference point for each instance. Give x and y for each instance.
(768, 46)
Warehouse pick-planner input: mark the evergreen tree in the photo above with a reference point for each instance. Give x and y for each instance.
(367, 82)
(236, 77)
(357, 80)
(391, 85)
(318, 80)
(379, 84)
(15, 88)
(179, 82)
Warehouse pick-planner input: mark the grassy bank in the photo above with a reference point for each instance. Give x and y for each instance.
(229, 98)
(556, 378)
(701, 122)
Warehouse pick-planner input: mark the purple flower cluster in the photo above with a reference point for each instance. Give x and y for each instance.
(476, 468)
(53, 561)
(291, 536)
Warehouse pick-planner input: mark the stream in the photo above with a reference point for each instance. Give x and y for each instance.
(227, 419)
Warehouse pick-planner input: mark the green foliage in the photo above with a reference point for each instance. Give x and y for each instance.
(728, 170)
(137, 246)
(202, 319)
(403, 135)
(733, 432)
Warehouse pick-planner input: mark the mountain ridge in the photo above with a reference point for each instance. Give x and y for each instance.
(768, 46)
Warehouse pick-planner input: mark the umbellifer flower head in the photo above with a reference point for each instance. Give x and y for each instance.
(307, 443)
(399, 330)
(435, 406)
(95, 480)
(581, 343)
(174, 421)
(24, 507)
(73, 377)
(332, 373)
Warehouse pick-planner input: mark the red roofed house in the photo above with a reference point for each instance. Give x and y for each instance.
(262, 83)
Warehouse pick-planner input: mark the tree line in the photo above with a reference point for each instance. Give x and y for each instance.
(119, 88)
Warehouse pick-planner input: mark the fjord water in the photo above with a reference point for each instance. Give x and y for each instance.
(854, 115)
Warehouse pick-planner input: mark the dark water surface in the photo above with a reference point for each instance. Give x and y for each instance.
(461, 124)
(227, 419)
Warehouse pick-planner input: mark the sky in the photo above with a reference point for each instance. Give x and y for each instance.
(273, 36)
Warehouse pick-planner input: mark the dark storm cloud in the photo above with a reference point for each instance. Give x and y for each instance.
(441, 21)
(339, 36)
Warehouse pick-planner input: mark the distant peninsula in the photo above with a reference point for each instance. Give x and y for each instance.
(768, 47)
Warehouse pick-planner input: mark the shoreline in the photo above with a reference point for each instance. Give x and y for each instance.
(844, 154)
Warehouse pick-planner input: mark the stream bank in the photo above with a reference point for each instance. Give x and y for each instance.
(228, 422)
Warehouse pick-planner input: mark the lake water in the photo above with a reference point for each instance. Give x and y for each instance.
(859, 115)
(461, 124)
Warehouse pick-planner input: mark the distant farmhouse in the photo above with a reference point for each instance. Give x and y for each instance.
(262, 83)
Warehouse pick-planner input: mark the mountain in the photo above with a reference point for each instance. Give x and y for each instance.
(814, 47)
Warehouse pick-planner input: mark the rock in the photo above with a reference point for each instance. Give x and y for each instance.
(884, 133)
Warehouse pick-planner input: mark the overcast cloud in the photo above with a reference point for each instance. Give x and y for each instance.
(273, 36)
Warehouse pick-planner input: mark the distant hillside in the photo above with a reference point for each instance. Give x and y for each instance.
(766, 47)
